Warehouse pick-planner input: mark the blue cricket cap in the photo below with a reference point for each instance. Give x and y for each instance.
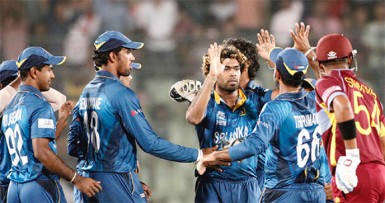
(34, 56)
(289, 61)
(111, 40)
(8, 69)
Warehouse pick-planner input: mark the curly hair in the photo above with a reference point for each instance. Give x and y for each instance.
(249, 50)
(227, 52)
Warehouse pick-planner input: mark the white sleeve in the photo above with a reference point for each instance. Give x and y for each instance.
(6, 95)
(55, 98)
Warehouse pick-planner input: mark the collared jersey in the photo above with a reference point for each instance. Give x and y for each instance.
(27, 116)
(368, 113)
(225, 126)
(287, 128)
(113, 121)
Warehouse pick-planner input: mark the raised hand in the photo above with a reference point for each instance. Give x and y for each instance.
(301, 37)
(266, 42)
(63, 114)
(216, 67)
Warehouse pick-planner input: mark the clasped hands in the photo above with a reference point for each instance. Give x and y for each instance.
(212, 158)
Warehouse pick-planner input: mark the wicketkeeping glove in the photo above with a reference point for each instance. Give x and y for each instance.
(346, 178)
(185, 90)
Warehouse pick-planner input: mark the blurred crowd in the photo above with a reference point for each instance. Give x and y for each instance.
(176, 34)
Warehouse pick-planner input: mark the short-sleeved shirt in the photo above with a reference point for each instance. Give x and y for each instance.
(28, 116)
(368, 115)
(110, 115)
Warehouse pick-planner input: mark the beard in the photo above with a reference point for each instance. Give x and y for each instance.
(125, 73)
(229, 88)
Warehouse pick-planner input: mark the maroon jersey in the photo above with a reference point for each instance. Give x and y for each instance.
(368, 113)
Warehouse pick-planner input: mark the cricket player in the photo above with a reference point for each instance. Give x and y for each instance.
(351, 118)
(9, 83)
(112, 118)
(287, 127)
(29, 127)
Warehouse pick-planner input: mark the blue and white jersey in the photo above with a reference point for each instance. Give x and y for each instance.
(77, 138)
(287, 127)
(5, 160)
(225, 127)
(112, 118)
(261, 97)
(26, 117)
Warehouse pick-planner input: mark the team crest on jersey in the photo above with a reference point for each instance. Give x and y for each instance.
(332, 55)
(221, 118)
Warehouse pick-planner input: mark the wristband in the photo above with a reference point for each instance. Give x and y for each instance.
(200, 155)
(348, 129)
(309, 51)
(73, 178)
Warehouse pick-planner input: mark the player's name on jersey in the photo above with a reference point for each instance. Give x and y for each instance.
(90, 103)
(12, 117)
(307, 120)
(360, 87)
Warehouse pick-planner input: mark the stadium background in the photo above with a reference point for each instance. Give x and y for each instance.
(176, 34)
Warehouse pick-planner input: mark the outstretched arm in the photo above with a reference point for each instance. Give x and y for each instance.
(301, 43)
(266, 42)
(255, 143)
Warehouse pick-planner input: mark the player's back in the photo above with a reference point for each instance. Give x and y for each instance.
(368, 114)
(27, 116)
(294, 147)
(108, 148)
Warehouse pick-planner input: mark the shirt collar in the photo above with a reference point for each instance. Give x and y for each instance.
(292, 95)
(106, 74)
(28, 88)
(241, 98)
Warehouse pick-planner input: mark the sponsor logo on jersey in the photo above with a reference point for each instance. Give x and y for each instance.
(221, 118)
(134, 112)
(45, 123)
